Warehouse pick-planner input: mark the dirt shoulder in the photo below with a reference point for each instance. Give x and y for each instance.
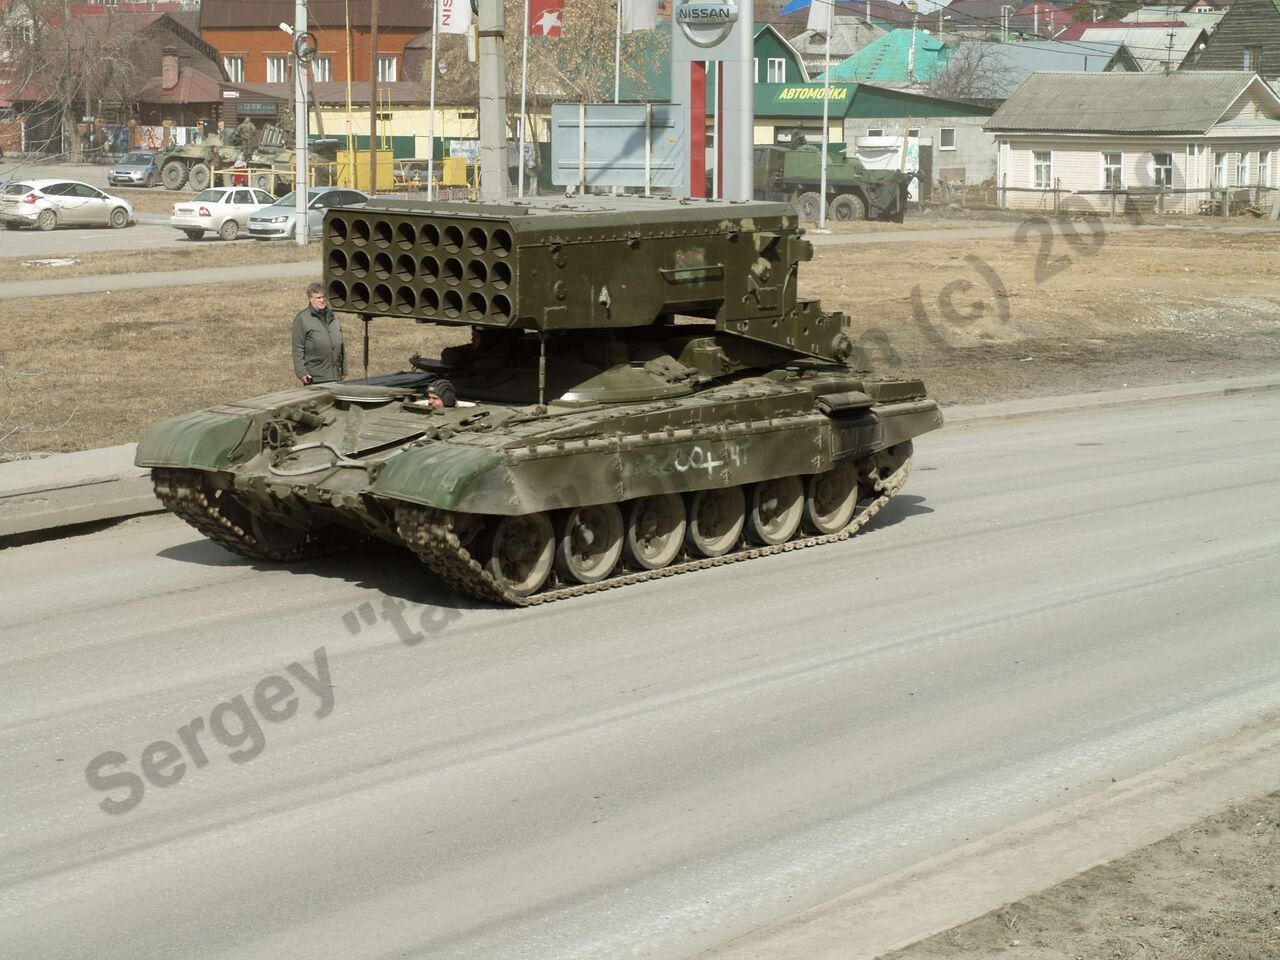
(1209, 892)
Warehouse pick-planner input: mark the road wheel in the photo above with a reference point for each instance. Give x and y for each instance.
(46, 220)
(655, 531)
(830, 499)
(229, 230)
(776, 508)
(807, 204)
(264, 181)
(151, 180)
(848, 206)
(715, 521)
(119, 218)
(521, 553)
(173, 175)
(198, 177)
(194, 234)
(589, 542)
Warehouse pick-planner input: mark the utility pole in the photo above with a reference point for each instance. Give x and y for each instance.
(493, 101)
(300, 121)
(373, 97)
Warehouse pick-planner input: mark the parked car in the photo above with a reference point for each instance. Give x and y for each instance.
(223, 209)
(279, 220)
(48, 203)
(137, 169)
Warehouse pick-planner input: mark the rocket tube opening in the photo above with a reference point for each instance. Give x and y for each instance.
(359, 296)
(406, 267)
(360, 232)
(453, 238)
(453, 271)
(382, 297)
(429, 268)
(477, 306)
(501, 242)
(477, 241)
(406, 235)
(430, 302)
(477, 273)
(359, 263)
(501, 275)
(336, 262)
(382, 232)
(337, 293)
(452, 303)
(382, 265)
(406, 300)
(429, 236)
(336, 230)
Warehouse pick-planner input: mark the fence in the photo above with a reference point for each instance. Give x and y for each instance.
(1223, 201)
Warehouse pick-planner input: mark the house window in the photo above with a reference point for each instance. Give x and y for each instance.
(1042, 169)
(1113, 171)
(386, 69)
(1253, 58)
(874, 132)
(1162, 169)
(777, 70)
(947, 138)
(277, 68)
(322, 69)
(235, 68)
(1219, 170)
(1242, 169)
(1264, 168)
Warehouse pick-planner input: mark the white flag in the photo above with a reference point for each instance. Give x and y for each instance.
(639, 15)
(820, 15)
(453, 16)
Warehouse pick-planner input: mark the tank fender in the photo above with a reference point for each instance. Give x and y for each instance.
(205, 440)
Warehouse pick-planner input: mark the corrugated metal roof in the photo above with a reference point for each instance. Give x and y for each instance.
(1184, 102)
(1019, 60)
(1149, 44)
(887, 59)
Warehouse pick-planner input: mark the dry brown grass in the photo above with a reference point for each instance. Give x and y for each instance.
(1147, 308)
(196, 255)
(93, 371)
(154, 200)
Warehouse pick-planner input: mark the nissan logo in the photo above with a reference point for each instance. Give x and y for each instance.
(706, 24)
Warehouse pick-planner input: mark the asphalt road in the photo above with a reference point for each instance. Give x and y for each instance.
(646, 772)
(69, 241)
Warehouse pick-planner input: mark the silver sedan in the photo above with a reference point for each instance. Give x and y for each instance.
(48, 203)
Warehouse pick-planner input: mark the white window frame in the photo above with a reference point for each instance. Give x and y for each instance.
(388, 67)
(942, 138)
(1036, 181)
(1264, 168)
(1242, 168)
(776, 66)
(1106, 181)
(1218, 174)
(1156, 168)
(234, 65)
(277, 68)
(322, 68)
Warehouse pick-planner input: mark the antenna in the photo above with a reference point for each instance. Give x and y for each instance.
(1168, 58)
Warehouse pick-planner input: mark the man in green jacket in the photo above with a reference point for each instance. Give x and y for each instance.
(318, 352)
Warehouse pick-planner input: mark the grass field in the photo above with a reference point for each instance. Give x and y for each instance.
(978, 321)
(213, 253)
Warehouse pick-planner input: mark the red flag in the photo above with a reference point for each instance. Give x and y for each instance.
(544, 17)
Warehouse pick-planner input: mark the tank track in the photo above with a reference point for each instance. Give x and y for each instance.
(429, 533)
(188, 495)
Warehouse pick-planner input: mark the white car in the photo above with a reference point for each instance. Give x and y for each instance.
(49, 203)
(223, 209)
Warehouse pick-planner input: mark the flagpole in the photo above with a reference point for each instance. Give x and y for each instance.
(617, 54)
(431, 117)
(826, 122)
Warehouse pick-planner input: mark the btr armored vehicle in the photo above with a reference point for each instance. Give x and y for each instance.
(644, 395)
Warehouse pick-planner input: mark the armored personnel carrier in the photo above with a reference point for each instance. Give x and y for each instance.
(644, 395)
(194, 164)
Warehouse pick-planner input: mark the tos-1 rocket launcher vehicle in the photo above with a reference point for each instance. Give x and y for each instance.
(644, 395)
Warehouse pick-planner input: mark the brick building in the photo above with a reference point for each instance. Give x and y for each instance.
(254, 49)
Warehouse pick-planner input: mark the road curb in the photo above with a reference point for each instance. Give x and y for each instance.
(1011, 864)
(73, 488)
(1124, 397)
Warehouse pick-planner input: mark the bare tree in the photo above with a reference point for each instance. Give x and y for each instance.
(978, 70)
(576, 66)
(69, 66)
